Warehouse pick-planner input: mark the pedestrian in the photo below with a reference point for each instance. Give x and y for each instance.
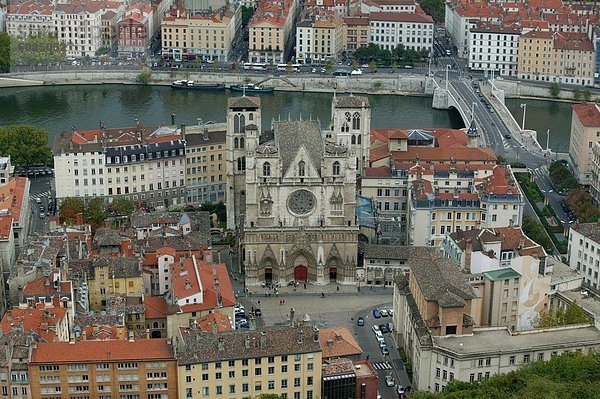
(367, 357)
(338, 288)
(304, 285)
(252, 308)
(266, 294)
(258, 303)
(322, 295)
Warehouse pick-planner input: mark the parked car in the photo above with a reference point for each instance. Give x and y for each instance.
(257, 312)
(383, 328)
(382, 344)
(389, 381)
(391, 312)
(360, 322)
(390, 326)
(356, 72)
(375, 329)
(384, 313)
(384, 351)
(376, 313)
(400, 389)
(38, 200)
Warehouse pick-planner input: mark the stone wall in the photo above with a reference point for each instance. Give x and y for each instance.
(514, 88)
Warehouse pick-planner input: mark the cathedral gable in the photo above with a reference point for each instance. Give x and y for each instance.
(302, 166)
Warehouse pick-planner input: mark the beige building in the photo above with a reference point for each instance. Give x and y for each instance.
(29, 18)
(355, 33)
(140, 368)
(297, 192)
(284, 361)
(562, 57)
(584, 252)
(79, 27)
(208, 34)
(319, 40)
(114, 276)
(205, 155)
(270, 30)
(585, 132)
(595, 173)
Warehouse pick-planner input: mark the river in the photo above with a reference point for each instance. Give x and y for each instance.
(59, 108)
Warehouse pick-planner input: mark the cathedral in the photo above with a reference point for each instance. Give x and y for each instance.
(292, 192)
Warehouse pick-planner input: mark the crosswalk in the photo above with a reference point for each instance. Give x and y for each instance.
(41, 195)
(382, 366)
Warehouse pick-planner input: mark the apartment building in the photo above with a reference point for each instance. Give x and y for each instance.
(135, 30)
(461, 17)
(414, 31)
(79, 27)
(15, 353)
(494, 47)
(595, 173)
(584, 252)
(433, 322)
(29, 18)
(140, 368)
(270, 30)
(114, 276)
(319, 39)
(207, 34)
(285, 361)
(205, 156)
(404, 6)
(563, 57)
(585, 132)
(355, 33)
(347, 379)
(144, 165)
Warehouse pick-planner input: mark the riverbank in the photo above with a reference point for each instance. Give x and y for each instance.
(533, 91)
(394, 84)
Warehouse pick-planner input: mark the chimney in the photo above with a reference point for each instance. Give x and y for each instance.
(247, 342)
(221, 344)
(315, 334)
(468, 253)
(188, 284)
(131, 337)
(147, 333)
(338, 338)
(47, 280)
(219, 299)
(330, 343)
(79, 219)
(300, 336)
(263, 340)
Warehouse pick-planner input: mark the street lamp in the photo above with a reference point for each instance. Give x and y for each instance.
(473, 110)
(524, 108)
(447, 69)
(547, 140)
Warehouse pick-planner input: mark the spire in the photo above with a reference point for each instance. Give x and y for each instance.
(472, 131)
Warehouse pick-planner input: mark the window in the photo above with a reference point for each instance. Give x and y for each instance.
(336, 168)
(301, 169)
(512, 360)
(266, 169)
(526, 358)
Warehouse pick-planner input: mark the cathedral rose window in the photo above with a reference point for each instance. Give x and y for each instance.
(301, 202)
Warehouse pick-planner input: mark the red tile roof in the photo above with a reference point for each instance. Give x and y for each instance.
(573, 41)
(500, 182)
(104, 332)
(207, 323)
(537, 34)
(156, 307)
(11, 199)
(338, 342)
(38, 319)
(380, 171)
(588, 114)
(103, 351)
(401, 17)
(39, 287)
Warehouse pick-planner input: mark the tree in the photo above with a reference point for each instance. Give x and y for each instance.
(574, 314)
(501, 160)
(95, 212)
(329, 65)
(435, 8)
(4, 52)
(122, 207)
(576, 94)
(69, 208)
(583, 205)
(587, 95)
(377, 85)
(394, 66)
(35, 49)
(555, 89)
(144, 76)
(372, 66)
(561, 177)
(247, 13)
(537, 233)
(26, 145)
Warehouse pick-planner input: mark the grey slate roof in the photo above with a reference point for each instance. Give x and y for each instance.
(351, 101)
(290, 136)
(199, 139)
(438, 278)
(395, 252)
(204, 347)
(590, 230)
(243, 102)
(419, 324)
(120, 266)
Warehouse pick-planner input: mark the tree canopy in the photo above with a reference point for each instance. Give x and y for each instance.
(35, 49)
(572, 375)
(26, 145)
(374, 53)
(537, 233)
(122, 207)
(4, 52)
(435, 8)
(562, 177)
(583, 205)
(69, 208)
(95, 212)
(573, 314)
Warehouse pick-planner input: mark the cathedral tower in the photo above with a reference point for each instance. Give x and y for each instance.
(351, 126)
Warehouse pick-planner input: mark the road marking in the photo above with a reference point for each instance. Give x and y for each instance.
(382, 366)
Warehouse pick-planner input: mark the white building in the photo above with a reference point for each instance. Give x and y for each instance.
(494, 47)
(29, 18)
(79, 26)
(414, 31)
(460, 18)
(584, 252)
(404, 6)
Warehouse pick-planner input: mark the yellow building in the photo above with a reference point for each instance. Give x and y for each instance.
(356, 31)
(270, 29)
(120, 276)
(206, 177)
(563, 57)
(208, 35)
(285, 361)
(318, 40)
(585, 132)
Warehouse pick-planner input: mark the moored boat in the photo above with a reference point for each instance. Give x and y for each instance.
(250, 88)
(190, 84)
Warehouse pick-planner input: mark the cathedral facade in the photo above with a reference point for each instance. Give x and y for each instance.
(292, 193)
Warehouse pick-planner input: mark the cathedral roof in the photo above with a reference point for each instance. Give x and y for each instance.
(243, 102)
(290, 136)
(351, 101)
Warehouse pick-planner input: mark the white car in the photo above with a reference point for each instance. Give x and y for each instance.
(356, 72)
(389, 381)
(391, 312)
(384, 313)
(376, 329)
(379, 337)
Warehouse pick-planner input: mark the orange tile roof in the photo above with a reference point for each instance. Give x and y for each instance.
(11, 199)
(207, 323)
(500, 182)
(537, 34)
(380, 171)
(39, 287)
(588, 114)
(103, 332)
(338, 342)
(28, 7)
(103, 351)
(573, 41)
(156, 307)
(38, 319)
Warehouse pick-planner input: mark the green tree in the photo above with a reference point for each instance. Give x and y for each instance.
(144, 76)
(26, 145)
(4, 52)
(122, 207)
(372, 66)
(247, 13)
(587, 95)
(394, 66)
(69, 209)
(377, 85)
(95, 212)
(574, 314)
(576, 94)
(583, 205)
(562, 178)
(501, 160)
(435, 8)
(35, 49)
(555, 89)
(537, 233)
(329, 66)
(354, 64)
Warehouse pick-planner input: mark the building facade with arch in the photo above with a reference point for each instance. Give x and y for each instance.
(295, 205)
